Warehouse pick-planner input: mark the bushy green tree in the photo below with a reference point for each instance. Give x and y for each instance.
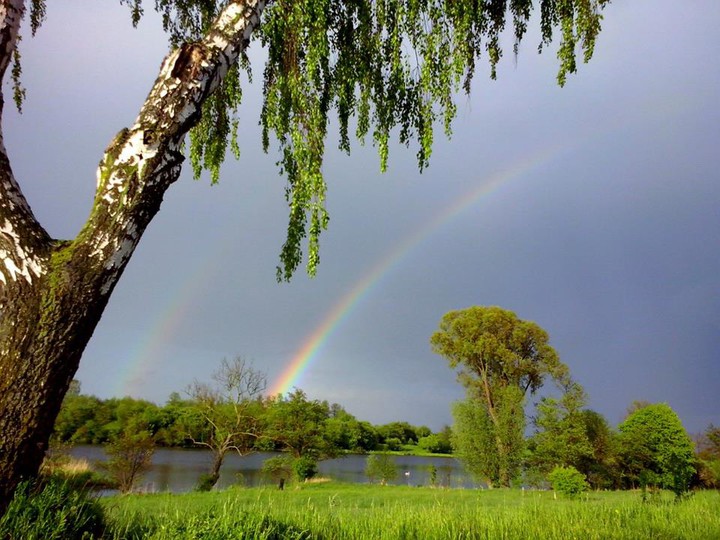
(130, 457)
(402, 432)
(346, 433)
(297, 425)
(600, 469)
(305, 467)
(279, 469)
(436, 444)
(501, 359)
(491, 451)
(653, 445)
(76, 420)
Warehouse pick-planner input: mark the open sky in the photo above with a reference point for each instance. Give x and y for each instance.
(593, 210)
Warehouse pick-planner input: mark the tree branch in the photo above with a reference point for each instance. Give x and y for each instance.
(144, 160)
(23, 241)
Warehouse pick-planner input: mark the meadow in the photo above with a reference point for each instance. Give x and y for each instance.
(360, 511)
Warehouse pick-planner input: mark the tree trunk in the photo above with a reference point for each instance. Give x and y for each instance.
(214, 476)
(503, 476)
(53, 293)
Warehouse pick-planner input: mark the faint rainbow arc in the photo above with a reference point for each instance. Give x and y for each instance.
(144, 356)
(294, 370)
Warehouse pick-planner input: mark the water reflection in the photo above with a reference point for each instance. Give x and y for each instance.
(177, 470)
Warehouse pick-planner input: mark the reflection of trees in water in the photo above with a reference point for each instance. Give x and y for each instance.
(445, 476)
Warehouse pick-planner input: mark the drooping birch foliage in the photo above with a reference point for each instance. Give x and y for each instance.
(381, 68)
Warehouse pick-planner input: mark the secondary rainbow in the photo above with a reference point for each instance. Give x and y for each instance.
(147, 353)
(302, 359)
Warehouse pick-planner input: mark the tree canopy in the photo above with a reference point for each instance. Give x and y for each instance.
(655, 448)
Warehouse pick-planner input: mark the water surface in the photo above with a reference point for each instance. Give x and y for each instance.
(178, 469)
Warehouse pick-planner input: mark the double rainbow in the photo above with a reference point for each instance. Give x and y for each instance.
(146, 354)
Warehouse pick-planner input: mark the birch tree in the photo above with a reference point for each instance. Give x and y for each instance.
(389, 66)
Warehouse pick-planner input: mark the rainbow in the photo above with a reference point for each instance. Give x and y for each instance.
(302, 359)
(146, 353)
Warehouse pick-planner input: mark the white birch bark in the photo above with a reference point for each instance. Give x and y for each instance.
(53, 293)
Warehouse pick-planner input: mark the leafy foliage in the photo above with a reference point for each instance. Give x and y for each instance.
(130, 457)
(436, 444)
(297, 425)
(279, 469)
(655, 449)
(474, 442)
(561, 438)
(568, 481)
(386, 66)
(491, 451)
(600, 467)
(305, 467)
(381, 468)
(708, 453)
(393, 65)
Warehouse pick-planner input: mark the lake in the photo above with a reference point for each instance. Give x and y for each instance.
(178, 469)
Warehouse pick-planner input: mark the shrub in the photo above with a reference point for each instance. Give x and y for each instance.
(568, 481)
(206, 482)
(305, 467)
(393, 444)
(435, 444)
(380, 467)
(279, 469)
(708, 472)
(51, 511)
(130, 457)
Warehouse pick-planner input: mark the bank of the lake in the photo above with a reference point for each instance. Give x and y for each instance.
(362, 511)
(177, 470)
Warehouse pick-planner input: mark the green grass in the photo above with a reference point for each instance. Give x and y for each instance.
(349, 511)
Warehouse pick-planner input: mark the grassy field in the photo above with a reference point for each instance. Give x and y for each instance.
(345, 511)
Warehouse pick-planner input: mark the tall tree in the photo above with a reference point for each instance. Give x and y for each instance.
(561, 437)
(231, 413)
(394, 65)
(500, 359)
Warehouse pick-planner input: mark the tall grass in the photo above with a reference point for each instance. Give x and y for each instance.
(337, 511)
(51, 511)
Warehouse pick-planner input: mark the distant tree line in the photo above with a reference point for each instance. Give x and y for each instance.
(86, 419)
(231, 414)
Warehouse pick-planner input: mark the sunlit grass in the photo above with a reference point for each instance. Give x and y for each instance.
(339, 511)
